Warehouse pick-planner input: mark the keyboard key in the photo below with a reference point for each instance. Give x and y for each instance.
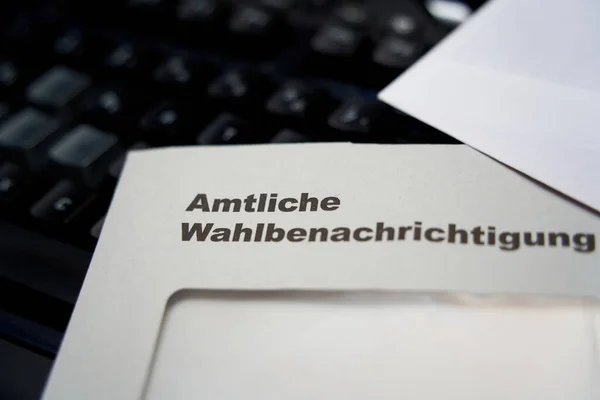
(291, 99)
(201, 14)
(12, 181)
(357, 117)
(237, 90)
(340, 52)
(301, 105)
(85, 153)
(122, 56)
(103, 102)
(289, 136)
(251, 21)
(397, 53)
(97, 228)
(256, 31)
(182, 75)
(169, 123)
(131, 61)
(337, 40)
(175, 70)
(27, 135)
(111, 107)
(450, 13)
(226, 129)
(196, 10)
(403, 25)
(117, 165)
(57, 87)
(202, 23)
(391, 57)
(61, 203)
(353, 14)
(231, 84)
(72, 47)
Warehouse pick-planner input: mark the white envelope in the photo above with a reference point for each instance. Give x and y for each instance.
(356, 345)
(518, 81)
(165, 314)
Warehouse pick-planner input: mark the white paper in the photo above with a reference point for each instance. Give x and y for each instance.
(519, 82)
(142, 259)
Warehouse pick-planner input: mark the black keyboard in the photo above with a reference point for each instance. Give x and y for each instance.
(81, 82)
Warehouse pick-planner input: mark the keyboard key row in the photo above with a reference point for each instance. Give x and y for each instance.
(248, 32)
(53, 206)
(118, 108)
(35, 139)
(221, 13)
(80, 126)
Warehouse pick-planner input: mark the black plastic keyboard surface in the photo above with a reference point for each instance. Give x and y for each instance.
(81, 82)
